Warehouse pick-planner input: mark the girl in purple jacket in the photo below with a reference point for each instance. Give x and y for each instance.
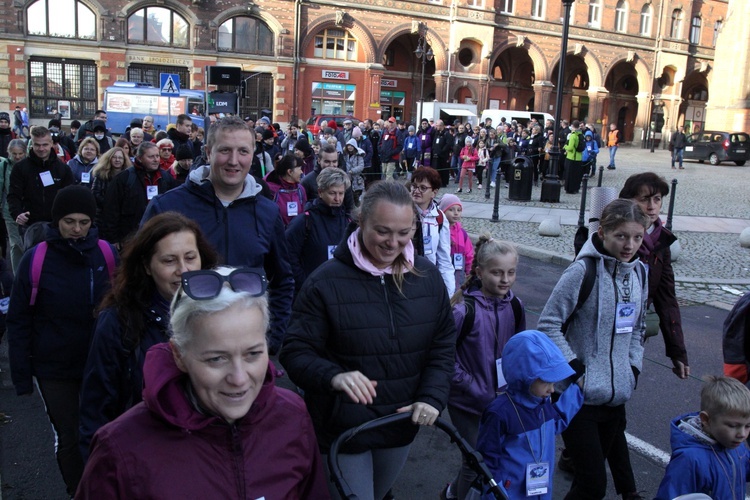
(497, 315)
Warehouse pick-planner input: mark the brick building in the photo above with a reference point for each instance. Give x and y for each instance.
(629, 61)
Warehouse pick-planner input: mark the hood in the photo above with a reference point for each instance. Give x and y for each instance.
(165, 393)
(687, 431)
(80, 160)
(528, 356)
(200, 175)
(353, 143)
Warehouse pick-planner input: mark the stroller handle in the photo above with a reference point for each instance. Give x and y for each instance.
(473, 457)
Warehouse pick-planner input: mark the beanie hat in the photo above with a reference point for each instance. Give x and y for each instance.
(448, 201)
(183, 152)
(73, 200)
(267, 134)
(356, 132)
(5, 116)
(392, 119)
(303, 146)
(265, 119)
(332, 124)
(411, 128)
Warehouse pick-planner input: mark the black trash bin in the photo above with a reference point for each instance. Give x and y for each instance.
(521, 179)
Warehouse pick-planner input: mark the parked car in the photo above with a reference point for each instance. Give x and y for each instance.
(717, 147)
(318, 122)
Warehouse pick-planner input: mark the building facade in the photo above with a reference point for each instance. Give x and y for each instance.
(643, 64)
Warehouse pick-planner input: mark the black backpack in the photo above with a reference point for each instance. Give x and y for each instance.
(468, 323)
(581, 146)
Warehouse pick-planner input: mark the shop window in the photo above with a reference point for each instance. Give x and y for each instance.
(537, 9)
(621, 16)
(61, 18)
(333, 98)
(695, 30)
(150, 73)
(675, 30)
(246, 34)
(595, 13)
(336, 44)
(646, 17)
(53, 79)
(158, 26)
(506, 6)
(717, 30)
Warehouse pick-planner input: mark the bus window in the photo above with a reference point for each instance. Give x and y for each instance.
(195, 107)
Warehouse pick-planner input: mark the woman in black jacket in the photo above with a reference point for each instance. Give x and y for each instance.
(50, 322)
(134, 316)
(371, 334)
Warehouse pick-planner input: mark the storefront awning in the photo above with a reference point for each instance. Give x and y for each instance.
(457, 112)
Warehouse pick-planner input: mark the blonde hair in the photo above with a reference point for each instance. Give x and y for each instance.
(722, 395)
(88, 141)
(103, 168)
(485, 249)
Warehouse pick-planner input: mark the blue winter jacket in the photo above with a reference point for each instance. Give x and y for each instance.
(247, 232)
(474, 383)
(517, 418)
(50, 340)
(592, 148)
(412, 147)
(701, 465)
(113, 378)
(313, 236)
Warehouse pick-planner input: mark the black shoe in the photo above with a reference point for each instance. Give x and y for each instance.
(610, 167)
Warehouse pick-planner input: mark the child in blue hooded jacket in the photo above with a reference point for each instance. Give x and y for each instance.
(517, 433)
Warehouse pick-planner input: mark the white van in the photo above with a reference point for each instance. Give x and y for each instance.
(522, 117)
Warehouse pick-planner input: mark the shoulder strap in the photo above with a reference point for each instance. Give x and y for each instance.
(440, 217)
(468, 323)
(515, 303)
(589, 278)
(35, 271)
(109, 257)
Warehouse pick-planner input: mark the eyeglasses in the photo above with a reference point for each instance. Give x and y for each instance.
(421, 189)
(166, 149)
(207, 284)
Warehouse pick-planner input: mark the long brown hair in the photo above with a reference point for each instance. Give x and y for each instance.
(133, 289)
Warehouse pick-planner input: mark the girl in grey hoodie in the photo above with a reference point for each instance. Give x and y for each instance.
(603, 339)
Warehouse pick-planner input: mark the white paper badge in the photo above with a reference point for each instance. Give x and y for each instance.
(292, 208)
(424, 137)
(85, 177)
(625, 319)
(537, 478)
(501, 382)
(331, 249)
(458, 261)
(151, 191)
(411, 145)
(427, 245)
(47, 179)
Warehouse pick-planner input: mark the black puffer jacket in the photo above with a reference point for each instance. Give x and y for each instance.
(27, 192)
(346, 319)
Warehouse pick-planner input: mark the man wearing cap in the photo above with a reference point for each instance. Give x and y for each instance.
(6, 134)
(347, 132)
(264, 122)
(242, 225)
(269, 144)
(99, 133)
(35, 181)
(389, 148)
(87, 129)
(129, 193)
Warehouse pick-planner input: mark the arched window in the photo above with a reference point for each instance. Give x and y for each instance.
(246, 34)
(158, 26)
(676, 28)
(335, 43)
(621, 16)
(61, 18)
(646, 17)
(595, 13)
(695, 30)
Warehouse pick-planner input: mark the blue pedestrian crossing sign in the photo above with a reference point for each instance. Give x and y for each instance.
(170, 85)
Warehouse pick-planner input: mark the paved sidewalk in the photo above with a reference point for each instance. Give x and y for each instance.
(712, 207)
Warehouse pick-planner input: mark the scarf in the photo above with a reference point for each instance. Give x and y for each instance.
(364, 263)
(650, 238)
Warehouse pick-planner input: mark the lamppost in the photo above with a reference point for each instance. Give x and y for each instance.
(425, 54)
(551, 184)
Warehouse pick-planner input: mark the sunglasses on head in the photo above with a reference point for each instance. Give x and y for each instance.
(207, 284)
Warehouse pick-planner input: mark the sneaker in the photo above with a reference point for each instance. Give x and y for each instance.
(506, 184)
(610, 167)
(682, 168)
(479, 187)
(565, 463)
(447, 493)
(459, 190)
(492, 184)
(673, 167)
(469, 191)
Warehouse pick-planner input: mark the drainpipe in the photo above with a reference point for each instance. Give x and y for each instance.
(452, 18)
(297, 24)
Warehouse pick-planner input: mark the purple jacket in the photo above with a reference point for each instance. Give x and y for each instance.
(474, 383)
(165, 448)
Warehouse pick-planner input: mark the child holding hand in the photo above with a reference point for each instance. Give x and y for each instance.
(462, 250)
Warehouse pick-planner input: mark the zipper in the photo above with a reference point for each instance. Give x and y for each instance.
(497, 328)
(392, 331)
(237, 461)
(612, 340)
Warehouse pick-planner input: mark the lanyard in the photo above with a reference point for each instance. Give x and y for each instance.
(541, 434)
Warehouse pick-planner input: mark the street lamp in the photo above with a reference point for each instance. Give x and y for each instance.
(425, 54)
(551, 184)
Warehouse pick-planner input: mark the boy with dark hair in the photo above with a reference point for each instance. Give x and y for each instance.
(709, 453)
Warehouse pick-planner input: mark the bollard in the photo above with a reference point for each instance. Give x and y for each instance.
(496, 205)
(670, 213)
(582, 212)
(601, 175)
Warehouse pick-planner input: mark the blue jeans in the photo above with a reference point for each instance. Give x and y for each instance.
(677, 155)
(456, 163)
(493, 172)
(370, 474)
(612, 153)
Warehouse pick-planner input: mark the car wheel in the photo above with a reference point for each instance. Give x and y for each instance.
(740, 163)
(713, 159)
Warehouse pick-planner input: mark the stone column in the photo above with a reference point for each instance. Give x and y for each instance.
(543, 96)
(642, 118)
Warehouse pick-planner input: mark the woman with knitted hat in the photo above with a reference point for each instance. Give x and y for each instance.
(183, 161)
(51, 318)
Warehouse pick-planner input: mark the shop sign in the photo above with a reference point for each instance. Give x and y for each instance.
(389, 83)
(335, 75)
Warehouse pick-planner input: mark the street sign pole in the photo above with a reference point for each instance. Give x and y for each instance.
(170, 87)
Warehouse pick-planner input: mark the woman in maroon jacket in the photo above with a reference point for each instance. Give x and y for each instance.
(212, 423)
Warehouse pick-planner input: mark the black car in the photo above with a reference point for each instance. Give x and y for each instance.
(717, 147)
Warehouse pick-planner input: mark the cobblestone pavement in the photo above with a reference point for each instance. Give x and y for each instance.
(711, 268)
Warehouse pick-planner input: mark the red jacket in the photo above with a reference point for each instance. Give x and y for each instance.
(164, 448)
